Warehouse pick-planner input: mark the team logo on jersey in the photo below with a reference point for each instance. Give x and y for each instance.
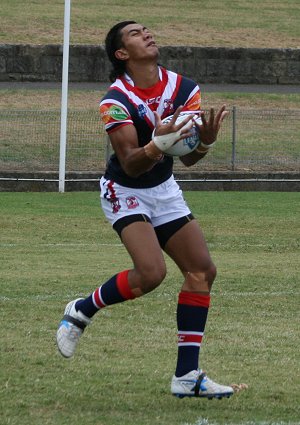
(168, 107)
(142, 111)
(132, 202)
(112, 113)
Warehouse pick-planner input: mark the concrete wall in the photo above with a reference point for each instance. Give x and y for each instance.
(88, 63)
(221, 181)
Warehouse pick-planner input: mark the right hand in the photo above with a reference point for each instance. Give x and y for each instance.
(166, 135)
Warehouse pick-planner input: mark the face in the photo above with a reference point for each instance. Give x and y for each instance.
(138, 43)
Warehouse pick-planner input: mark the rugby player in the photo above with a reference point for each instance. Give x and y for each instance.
(145, 205)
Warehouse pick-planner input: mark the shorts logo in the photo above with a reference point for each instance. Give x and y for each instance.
(110, 196)
(132, 202)
(112, 113)
(115, 204)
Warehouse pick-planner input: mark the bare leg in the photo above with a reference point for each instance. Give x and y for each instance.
(149, 267)
(188, 249)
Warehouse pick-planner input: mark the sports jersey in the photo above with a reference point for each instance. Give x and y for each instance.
(126, 104)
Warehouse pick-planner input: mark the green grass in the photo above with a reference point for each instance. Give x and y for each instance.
(174, 22)
(55, 247)
(45, 100)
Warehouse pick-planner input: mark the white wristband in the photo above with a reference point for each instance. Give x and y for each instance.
(166, 141)
(203, 145)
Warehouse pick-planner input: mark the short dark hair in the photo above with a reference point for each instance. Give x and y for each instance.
(113, 42)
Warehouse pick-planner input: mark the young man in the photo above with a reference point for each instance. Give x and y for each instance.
(144, 204)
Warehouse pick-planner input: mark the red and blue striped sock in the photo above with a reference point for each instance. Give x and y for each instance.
(115, 290)
(192, 313)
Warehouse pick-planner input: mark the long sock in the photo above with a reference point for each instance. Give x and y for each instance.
(192, 313)
(115, 290)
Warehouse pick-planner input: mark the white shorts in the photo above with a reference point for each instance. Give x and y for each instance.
(161, 204)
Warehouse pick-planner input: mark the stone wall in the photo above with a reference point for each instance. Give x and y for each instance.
(88, 63)
(220, 181)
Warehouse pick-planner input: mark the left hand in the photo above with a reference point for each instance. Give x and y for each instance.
(209, 128)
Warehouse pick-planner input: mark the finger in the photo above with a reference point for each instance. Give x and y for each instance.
(184, 135)
(220, 112)
(203, 119)
(211, 116)
(224, 115)
(186, 124)
(187, 128)
(176, 114)
(157, 118)
(221, 115)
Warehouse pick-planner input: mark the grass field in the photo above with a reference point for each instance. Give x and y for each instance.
(268, 129)
(235, 23)
(42, 99)
(55, 247)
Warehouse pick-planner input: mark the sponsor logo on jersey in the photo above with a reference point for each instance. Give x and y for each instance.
(153, 100)
(112, 113)
(142, 111)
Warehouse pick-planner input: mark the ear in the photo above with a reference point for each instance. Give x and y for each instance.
(121, 54)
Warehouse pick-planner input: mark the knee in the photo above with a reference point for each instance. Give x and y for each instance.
(151, 277)
(201, 280)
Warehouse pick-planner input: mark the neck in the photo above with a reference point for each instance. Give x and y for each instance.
(142, 75)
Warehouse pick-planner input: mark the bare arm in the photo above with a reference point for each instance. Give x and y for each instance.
(135, 160)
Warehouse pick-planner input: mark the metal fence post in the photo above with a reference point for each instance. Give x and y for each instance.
(233, 159)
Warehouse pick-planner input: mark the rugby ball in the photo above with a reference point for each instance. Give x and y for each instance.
(187, 145)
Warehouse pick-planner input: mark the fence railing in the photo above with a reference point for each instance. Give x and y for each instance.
(249, 140)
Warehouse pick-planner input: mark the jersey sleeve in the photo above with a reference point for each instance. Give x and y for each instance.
(193, 102)
(114, 114)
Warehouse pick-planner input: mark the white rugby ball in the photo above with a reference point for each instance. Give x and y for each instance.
(187, 145)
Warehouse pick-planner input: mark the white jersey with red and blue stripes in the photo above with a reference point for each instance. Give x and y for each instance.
(126, 104)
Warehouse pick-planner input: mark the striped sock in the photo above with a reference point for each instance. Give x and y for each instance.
(192, 313)
(115, 290)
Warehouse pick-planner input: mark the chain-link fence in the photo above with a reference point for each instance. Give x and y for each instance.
(250, 140)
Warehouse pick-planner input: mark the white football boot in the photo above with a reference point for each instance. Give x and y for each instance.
(70, 329)
(197, 384)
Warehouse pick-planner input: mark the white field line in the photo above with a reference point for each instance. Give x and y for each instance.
(79, 245)
(66, 297)
(40, 297)
(254, 293)
(207, 422)
(50, 245)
